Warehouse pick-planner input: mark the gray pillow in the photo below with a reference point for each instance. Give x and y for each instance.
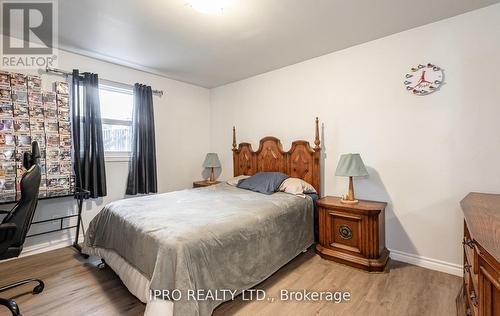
(263, 182)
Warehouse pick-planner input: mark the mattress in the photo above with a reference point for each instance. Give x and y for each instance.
(135, 281)
(211, 239)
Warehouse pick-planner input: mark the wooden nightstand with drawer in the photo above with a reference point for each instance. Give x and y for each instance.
(353, 234)
(204, 183)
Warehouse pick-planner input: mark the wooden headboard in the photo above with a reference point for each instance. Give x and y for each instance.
(301, 161)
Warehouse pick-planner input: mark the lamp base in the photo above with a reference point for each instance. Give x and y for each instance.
(349, 201)
(211, 179)
(349, 197)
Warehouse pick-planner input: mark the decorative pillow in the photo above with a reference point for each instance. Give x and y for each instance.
(296, 186)
(263, 182)
(234, 181)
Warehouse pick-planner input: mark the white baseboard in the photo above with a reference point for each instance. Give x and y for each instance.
(48, 246)
(433, 264)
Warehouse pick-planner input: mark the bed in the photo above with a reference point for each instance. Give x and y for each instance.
(183, 253)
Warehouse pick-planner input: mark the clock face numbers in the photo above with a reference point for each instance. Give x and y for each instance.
(424, 79)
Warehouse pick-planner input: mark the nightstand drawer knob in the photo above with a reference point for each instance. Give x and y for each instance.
(345, 232)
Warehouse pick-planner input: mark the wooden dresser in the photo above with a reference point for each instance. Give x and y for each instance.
(480, 294)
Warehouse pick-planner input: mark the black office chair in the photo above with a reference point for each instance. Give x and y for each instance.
(15, 225)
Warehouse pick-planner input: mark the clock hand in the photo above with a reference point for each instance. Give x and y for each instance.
(421, 80)
(426, 80)
(422, 77)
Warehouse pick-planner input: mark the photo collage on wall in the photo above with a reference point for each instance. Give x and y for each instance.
(28, 113)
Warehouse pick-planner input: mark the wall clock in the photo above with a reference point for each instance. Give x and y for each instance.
(424, 79)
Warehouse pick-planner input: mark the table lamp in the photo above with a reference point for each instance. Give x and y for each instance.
(211, 161)
(350, 165)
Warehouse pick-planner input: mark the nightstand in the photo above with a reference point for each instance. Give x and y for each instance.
(353, 234)
(204, 183)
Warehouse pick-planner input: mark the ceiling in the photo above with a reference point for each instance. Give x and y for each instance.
(170, 38)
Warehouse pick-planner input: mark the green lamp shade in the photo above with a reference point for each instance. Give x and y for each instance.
(351, 165)
(211, 161)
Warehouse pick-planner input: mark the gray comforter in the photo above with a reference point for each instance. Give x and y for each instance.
(220, 237)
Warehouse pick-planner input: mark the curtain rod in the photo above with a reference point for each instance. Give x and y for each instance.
(67, 73)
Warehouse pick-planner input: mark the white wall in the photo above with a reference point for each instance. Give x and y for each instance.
(423, 153)
(182, 140)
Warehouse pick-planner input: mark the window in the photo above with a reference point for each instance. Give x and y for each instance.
(116, 112)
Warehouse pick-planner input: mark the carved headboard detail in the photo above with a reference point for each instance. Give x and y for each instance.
(301, 161)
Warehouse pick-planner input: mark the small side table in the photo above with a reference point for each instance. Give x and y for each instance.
(204, 183)
(353, 234)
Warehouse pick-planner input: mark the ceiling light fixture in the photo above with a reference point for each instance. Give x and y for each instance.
(209, 6)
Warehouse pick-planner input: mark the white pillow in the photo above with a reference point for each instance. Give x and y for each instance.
(296, 186)
(234, 181)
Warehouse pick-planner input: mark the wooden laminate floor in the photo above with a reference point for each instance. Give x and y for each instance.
(75, 286)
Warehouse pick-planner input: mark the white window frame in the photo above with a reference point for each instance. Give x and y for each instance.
(116, 156)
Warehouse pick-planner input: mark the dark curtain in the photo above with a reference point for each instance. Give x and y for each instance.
(87, 134)
(142, 167)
